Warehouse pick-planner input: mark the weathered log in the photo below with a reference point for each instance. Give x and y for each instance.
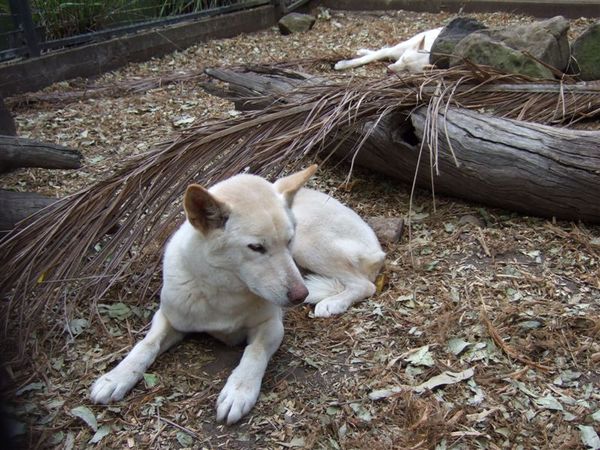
(16, 206)
(7, 123)
(521, 166)
(20, 152)
(255, 90)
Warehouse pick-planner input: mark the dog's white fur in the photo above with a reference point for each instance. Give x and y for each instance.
(411, 55)
(229, 270)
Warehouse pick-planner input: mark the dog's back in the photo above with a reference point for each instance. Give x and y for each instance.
(338, 249)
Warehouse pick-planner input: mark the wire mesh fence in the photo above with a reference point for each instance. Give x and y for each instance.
(30, 27)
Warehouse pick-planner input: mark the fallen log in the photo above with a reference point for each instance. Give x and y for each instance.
(16, 206)
(20, 152)
(526, 167)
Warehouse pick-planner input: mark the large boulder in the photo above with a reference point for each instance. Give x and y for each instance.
(449, 37)
(295, 23)
(585, 52)
(484, 50)
(545, 41)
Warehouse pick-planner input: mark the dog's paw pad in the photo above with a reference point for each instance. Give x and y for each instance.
(328, 309)
(235, 400)
(111, 388)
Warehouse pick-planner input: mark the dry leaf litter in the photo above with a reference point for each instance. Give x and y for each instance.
(484, 335)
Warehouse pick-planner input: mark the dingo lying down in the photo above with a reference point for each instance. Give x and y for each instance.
(411, 55)
(229, 270)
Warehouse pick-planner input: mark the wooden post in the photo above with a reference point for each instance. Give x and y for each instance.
(23, 11)
(7, 123)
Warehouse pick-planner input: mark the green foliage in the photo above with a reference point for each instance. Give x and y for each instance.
(62, 18)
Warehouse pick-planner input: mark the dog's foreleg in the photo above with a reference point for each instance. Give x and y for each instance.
(243, 385)
(364, 51)
(115, 384)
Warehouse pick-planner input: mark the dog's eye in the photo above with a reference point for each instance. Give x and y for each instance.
(257, 248)
(289, 242)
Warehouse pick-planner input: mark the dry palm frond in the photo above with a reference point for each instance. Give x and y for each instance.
(65, 253)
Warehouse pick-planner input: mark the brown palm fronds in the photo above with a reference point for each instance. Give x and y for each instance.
(64, 254)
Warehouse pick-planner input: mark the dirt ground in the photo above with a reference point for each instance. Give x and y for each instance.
(508, 302)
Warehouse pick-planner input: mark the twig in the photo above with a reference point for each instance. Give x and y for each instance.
(182, 428)
(507, 349)
(481, 240)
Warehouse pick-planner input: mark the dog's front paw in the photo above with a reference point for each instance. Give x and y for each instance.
(236, 399)
(112, 386)
(326, 308)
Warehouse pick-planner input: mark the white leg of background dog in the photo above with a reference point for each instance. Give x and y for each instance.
(364, 51)
(243, 385)
(115, 384)
(370, 56)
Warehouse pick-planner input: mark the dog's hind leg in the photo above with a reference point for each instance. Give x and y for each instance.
(115, 384)
(386, 52)
(353, 290)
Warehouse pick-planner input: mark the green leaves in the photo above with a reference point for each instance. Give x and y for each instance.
(119, 310)
(150, 379)
(85, 414)
(589, 437)
(419, 357)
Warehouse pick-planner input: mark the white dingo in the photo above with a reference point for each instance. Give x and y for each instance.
(411, 55)
(229, 269)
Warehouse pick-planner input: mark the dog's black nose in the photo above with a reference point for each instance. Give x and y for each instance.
(297, 294)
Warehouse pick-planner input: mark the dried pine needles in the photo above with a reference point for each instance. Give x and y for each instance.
(92, 240)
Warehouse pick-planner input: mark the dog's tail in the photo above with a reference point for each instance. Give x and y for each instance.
(320, 287)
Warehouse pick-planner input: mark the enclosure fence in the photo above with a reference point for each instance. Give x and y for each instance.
(29, 28)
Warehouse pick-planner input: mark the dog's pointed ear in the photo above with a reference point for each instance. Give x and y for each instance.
(422, 44)
(203, 210)
(288, 186)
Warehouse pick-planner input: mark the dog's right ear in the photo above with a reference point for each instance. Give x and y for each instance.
(288, 186)
(204, 211)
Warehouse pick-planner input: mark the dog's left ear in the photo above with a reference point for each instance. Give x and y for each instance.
(288, 186)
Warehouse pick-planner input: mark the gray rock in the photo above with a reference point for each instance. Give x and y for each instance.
(296, 23)
(387, 229)
(482, 49)
(472, 220)
(451, 35)
(545, 40)
(586, 54)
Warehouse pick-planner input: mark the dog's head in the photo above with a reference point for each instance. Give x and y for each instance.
(249, 226)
